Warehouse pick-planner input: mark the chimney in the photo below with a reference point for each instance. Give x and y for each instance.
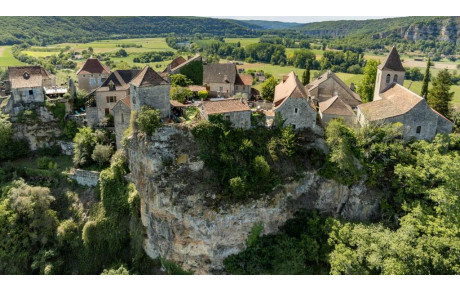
(352, 87)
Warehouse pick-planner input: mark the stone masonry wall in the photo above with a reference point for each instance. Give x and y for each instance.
(85, 178)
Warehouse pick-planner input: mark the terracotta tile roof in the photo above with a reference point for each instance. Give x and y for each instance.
(176, 103)
(243, 79)
(192, 59)
(127, 101)
(174, 63)
(219, 73)
(225, 106)
(392, 62)
(93, 66)
(324, 77)
(396, 100)
(335, 106)
(28, 76)
(291, 87)
(196, 88)
(148, 77)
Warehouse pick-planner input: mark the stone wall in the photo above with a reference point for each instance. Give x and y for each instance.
(91, 116)
(305, 116)
(178, 205)
(154, 96)
(85, 178)
(121, 118)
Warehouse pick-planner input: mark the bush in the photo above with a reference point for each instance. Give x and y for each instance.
(85, 141)
(202, 95)
(101, 154)
(180, 94)
(180, 80)
(148, 120)
(46, 163)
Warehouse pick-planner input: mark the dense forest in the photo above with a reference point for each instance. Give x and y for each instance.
(57, 29)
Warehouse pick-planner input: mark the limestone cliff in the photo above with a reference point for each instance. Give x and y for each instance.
(40, 130)
(178, 205)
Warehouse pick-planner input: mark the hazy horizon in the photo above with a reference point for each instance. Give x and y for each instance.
(302, 19)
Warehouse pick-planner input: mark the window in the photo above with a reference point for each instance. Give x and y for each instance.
(388, 78)
(419, 129)
(293, 126)
(227, 117)
(31, 92)
(99, 81)
(395, 78)
(134, 100)
(296, 110)
(111, 99)
(92, 82)
(107, 111)
(122, 118)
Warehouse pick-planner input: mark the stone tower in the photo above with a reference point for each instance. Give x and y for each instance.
(390, 71)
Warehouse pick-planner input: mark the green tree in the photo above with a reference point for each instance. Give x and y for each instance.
(306, 75)
(440, 95)
(148, 120)
(180, 80)
(85, 141)
(101, 154)
(367, 84)
(180, 94)
(426, 80)
(268, 88)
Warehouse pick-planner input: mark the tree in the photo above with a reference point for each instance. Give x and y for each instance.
(148, 120)
(180, 80)
(426, 80)
(102, 154)
(306, 75)
(85, 141)
(202, 95)
(268, 89)
(440, 95)
(180, 94)
(366, 86)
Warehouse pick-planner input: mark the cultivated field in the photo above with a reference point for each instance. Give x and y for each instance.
(6, 57)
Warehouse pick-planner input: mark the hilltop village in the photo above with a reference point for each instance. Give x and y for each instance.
(227, 92)
(188, 168)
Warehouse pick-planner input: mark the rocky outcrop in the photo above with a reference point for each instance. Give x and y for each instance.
(186, 225)
(40, 130)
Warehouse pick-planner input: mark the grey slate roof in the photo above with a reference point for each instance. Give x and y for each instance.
(392, 62)
(219, 73)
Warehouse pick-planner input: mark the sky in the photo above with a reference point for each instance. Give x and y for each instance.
(302, 19)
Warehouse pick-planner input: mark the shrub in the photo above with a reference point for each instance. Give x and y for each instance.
(180, 94)
(101, 154)
(46, 163)
(180, 80)
(203, 95)
(85, 141)
(148, 120)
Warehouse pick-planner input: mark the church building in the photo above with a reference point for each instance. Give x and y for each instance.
(394, 103)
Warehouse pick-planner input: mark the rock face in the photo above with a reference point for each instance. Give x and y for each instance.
(185, 225)
(40, 131)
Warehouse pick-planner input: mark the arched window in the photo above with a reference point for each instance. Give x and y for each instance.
(388, 78)
(395, 78)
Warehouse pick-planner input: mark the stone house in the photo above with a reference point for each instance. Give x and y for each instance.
(115, 88)
(292, 103)
(122, 117)
(27, 85)
(223, 80)
(149, 88)
(243, 85)
(335, 107)
(394, 103)
(330, 85)
(236, 111)
(92, 75)
(220, 79)
(398, 104)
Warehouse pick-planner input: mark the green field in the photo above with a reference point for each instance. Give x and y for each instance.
(6, 57)
(243, 41)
